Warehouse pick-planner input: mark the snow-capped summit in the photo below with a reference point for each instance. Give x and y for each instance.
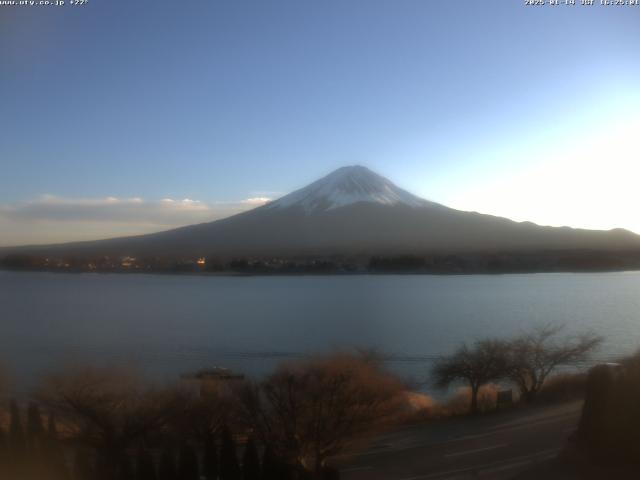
(346, 186)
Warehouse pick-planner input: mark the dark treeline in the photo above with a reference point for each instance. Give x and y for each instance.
(242, 265)
(507, 262)
(437, 263)
(107, 424)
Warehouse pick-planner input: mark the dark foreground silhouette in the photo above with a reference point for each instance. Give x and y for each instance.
(108, 425)
(607, 441)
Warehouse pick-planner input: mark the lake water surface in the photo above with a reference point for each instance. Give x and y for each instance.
(166, 325)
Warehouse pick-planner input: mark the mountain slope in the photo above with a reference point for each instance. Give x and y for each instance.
(351, 211)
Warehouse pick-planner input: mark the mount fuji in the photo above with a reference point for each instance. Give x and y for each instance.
(351, 211)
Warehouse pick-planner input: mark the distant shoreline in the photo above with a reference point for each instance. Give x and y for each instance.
(317, 264)
(240, 274)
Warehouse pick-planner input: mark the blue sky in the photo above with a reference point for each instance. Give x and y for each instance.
(124, 104)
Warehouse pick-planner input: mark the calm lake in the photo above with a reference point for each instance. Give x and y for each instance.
(166, 325)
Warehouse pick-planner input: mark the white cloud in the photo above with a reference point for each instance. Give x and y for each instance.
(51, 218)
(256, 201)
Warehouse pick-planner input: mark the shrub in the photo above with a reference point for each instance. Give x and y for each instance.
(309, 411)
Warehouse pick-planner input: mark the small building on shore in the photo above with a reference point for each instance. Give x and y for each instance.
(212, 380)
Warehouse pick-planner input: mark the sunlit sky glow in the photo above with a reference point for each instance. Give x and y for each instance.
(124, 117)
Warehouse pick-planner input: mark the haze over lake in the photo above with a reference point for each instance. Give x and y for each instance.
(170, 324)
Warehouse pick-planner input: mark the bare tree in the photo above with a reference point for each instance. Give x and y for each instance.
(310, 411)
(536, 354)
(204, 413)
(107, 410)
(483, 362)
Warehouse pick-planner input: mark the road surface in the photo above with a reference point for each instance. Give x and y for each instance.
(495, 446)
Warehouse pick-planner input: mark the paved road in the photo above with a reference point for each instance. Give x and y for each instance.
(494, 446)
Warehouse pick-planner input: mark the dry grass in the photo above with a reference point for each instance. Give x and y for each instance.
(423, 407)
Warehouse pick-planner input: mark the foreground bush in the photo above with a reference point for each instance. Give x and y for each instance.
(311, 411)
(117, 427)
